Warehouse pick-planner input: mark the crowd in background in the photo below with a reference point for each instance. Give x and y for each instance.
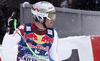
(82, 4)
(9, 6)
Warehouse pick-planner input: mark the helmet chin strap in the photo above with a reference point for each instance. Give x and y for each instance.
(44, 22)
(44, 25)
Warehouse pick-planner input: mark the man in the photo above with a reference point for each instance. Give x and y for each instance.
(66, 4)
(40, 36)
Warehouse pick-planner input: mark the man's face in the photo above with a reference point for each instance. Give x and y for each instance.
(70, 1)
(49, 23)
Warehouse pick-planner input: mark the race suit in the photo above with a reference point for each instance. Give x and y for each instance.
(42, 42)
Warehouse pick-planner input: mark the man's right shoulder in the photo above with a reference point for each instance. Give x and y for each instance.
(22, 26)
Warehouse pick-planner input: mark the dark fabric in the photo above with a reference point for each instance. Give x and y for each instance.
(83, 4)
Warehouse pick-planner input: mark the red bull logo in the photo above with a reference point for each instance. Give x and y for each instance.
(39, 46)
(39, 39)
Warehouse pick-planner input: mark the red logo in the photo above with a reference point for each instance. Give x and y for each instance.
(0, 59)
(41, 39)
(51, 7)
(36, 10)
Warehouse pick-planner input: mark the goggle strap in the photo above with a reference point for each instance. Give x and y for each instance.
(51, 12)
(39, 14)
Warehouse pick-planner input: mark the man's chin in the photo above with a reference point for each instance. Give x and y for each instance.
(49, 27)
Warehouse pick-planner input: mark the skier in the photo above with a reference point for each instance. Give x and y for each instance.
(36, 41)
(66, 4)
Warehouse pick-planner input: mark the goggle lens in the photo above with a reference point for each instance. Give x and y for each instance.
(52, 16)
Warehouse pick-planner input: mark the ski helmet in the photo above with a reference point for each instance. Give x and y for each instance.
(42, 10)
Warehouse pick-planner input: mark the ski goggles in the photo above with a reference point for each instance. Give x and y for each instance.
(49, 15)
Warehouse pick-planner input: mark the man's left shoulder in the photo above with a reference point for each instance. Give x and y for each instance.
(51, 31)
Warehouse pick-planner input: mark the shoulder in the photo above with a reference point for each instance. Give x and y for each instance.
(55, 33)
(52, 30)
(23, 25)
